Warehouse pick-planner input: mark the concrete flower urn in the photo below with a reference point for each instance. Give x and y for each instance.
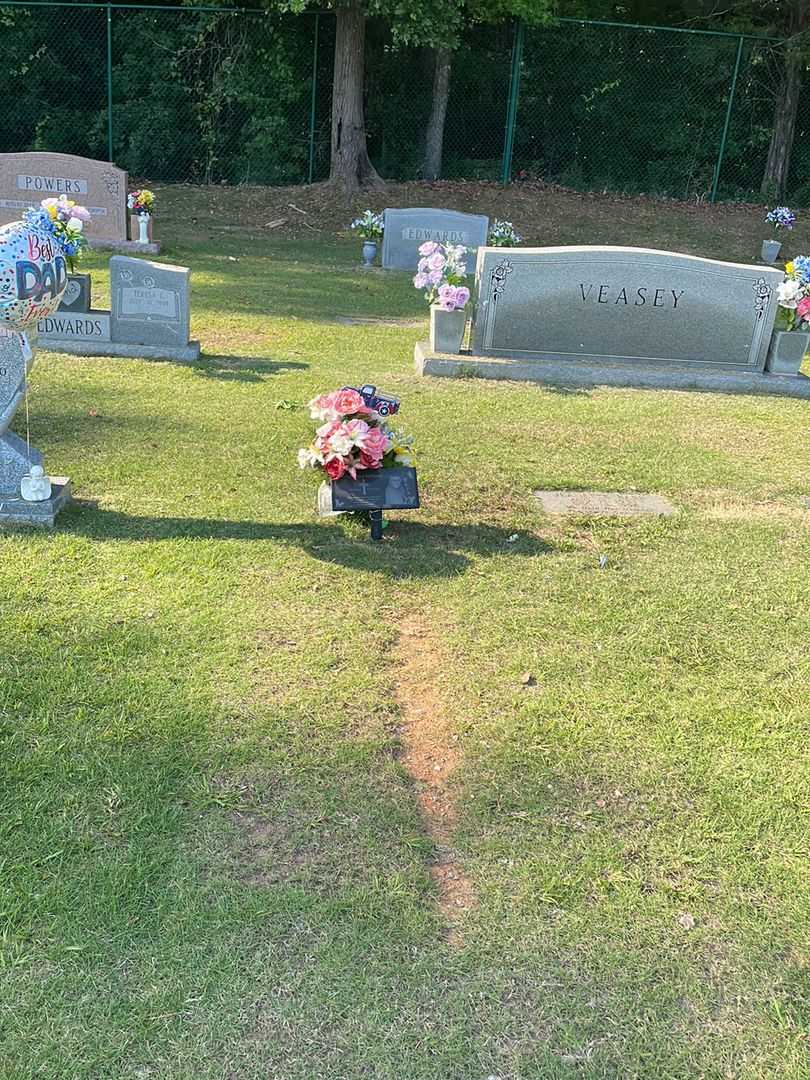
(770, 250)
(369, 253)
(787, 351)
(446, 329)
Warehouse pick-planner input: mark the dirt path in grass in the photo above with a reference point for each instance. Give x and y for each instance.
(429, 751)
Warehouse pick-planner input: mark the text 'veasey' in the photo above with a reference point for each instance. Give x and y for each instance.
(609, 294)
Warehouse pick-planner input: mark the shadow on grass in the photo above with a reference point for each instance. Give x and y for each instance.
(242, 368)
(408, 549)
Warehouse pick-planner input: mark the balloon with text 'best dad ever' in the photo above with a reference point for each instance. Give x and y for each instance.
(33, 275)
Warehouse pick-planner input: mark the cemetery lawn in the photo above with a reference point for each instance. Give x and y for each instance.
(215, 862)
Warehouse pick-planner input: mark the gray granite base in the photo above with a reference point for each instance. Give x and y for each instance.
(124, 247)
(16, 512)
(188, 353)
(581, 373)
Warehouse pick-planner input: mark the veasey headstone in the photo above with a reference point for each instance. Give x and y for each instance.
(623, 304)
(150, 302)
(405, 230)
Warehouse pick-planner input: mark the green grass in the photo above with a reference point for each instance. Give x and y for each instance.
(212, 864)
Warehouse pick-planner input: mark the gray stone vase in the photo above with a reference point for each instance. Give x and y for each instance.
(369, 253)
(770, 250)
(447, 329)
(787, 351)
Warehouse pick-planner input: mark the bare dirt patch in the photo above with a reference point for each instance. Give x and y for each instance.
(543, 213)
(429, 752)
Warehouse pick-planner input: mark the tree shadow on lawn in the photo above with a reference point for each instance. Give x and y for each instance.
(408, 549)
(242, 368)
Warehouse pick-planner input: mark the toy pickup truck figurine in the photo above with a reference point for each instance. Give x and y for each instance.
(380, 403)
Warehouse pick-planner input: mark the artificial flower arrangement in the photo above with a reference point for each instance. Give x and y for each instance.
(441, 273)
(502, 234)
(781, 217)
(369, 226)
(64, 220)
(793, 295)
(353, 436)
(141, 201)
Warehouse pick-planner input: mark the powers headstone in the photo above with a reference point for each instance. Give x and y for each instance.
(150, 302)
(405, 230)
(623, 304)
(27, 178)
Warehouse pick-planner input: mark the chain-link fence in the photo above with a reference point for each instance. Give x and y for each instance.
(213, 95)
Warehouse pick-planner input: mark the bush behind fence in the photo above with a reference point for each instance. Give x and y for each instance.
(217, 95)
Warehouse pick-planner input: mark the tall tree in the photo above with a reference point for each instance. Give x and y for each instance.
(786, 19)
(412, 22)
(786, 102)
(472, 11)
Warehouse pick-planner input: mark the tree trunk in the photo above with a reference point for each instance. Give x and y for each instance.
(350, 165)
(784, 128)
(787, 103)
(434, 142)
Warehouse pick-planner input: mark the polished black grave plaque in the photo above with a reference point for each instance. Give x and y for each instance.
(377, 489)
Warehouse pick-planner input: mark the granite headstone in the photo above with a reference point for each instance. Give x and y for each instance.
(16, 457)
(405, 230)
(27, 178)
(76, 297)
(619, 304)
(150, 302)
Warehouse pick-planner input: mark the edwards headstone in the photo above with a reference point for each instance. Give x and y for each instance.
(623, 304)
(149, 316)
(150, 302)
(405, 230)
(27, 178)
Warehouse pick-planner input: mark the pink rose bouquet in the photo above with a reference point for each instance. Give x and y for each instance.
(352, 436)
(440, 272)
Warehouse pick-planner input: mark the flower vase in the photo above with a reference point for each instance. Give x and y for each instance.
(770, 250)
(143, 228)
(447, 329)
(787, 351)
(369, 253)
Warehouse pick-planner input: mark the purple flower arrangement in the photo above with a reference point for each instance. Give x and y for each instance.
(440, 272)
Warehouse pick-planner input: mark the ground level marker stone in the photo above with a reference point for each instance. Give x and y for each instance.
(603, 503)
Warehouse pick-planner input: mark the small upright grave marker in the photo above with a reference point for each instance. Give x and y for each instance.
(149, 317)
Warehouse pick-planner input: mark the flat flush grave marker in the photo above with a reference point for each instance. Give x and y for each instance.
(604, 503)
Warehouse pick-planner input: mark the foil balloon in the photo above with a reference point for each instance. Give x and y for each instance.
(33, 275)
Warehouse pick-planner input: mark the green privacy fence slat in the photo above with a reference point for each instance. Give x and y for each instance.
(212, 94)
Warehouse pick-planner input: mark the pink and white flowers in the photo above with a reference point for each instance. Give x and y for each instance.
(440, 272)
(351, 437)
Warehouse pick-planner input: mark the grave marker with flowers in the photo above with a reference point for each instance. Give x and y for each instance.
(368, 464)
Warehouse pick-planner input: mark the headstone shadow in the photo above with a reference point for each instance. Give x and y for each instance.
(409, 549)
(242, 368)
